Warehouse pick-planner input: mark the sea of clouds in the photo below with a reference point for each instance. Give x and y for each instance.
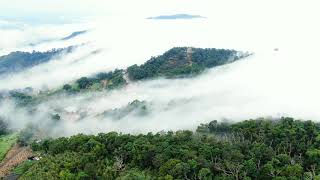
(269, 83)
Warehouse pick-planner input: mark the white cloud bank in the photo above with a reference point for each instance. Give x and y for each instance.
(271, 83)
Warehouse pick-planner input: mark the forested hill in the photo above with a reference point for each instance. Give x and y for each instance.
(175, 63)
(252, 149)
(178, 62)
(183, 61)
(17, 61)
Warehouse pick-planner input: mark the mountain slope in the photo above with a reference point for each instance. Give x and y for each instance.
(182, 61)
(18, 61)
(175, 63)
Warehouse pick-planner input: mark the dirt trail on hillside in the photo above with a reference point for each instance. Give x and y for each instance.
(16, 155)
(126, 77)
(189, 55)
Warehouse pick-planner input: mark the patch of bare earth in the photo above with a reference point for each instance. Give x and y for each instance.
(16, 155)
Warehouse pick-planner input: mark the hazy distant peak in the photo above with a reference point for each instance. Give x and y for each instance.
(74, 34)
(176, 16)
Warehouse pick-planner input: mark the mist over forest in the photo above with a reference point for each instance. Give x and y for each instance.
(260, 85)
(132, 90)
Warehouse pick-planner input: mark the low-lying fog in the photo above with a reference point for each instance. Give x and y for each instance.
(282, 82)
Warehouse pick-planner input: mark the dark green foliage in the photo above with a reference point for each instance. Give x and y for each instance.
(253, 149)
(182, 61)
(110, 80)
(84, 82)
(55, 117)
(22, 168)
(102, 75)
(67, 87)
(22, 99)
(116, 79)
(136, 72)
(213, 57)
(3, 127)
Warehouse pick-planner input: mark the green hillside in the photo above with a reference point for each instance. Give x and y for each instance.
(252, 149)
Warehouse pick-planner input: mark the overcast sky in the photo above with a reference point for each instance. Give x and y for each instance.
(244, 10)
(284, 20)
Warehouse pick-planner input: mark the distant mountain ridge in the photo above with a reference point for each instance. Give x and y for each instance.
(18, 61)
(68, 37)
(74, 34)
(176, 16)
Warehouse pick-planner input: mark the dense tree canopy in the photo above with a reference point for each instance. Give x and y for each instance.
(252, 149)
(181, 61)
(110, 80)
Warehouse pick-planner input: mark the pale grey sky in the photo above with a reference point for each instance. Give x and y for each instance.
(273, 12)
(245, 10)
